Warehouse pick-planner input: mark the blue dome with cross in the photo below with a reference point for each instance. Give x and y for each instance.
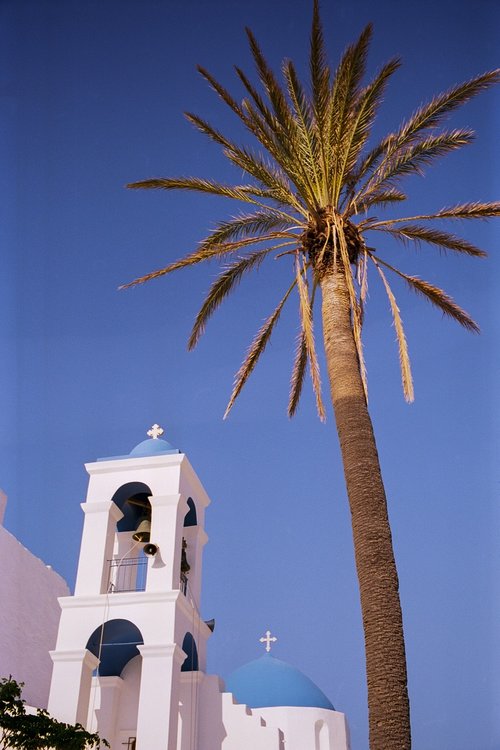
(269, 682)
(154, 446)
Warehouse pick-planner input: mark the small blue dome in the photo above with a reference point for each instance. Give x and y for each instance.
(152, 447)
(268, 682)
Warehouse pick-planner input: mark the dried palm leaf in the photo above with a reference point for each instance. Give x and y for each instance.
(223, 286)
(298, 374)
(418, 234)
(256, 348)
(476, 210)
(363, 282)
(404, 359)
(308, 330)
(201, 254)
(436, 296)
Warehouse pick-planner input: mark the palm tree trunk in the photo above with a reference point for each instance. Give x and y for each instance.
(388, 705)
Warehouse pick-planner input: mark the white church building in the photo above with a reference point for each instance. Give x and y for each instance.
(130, 656)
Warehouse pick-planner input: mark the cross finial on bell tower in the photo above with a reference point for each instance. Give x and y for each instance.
(268, 639)
(155, 431)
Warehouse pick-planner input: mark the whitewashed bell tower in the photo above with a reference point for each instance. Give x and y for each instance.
(133, 623)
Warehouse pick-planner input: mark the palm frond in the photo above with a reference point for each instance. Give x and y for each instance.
(282, 111)
(207, 129)
(426, 117)
(436, 296)
(266, 126)
(363, 280)
(268, 129)
(474, 210)
(271, 176)
(345, 93)
(248, 224)
(286, 151)
(266, 132)
(404, 359)
(253, 123)
(256, 348)
(377, 198)
(413, 158)
(307, 141)
(222, 92)
(243, 158)
(432, 236)
(368, 164)
(299, 365)
(280, 135)
(308, 329)
(237, 192)
(281, 121)
(298, 374)
(361, 121)
(320, 75)
(269, 117)
(430, 115)
(221, 288)
(282, 124)
(201, 254)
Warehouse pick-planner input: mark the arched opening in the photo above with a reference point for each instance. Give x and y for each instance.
(191, 519)
(190, 664)
(115, 644)
(128, 565)
(322, 736)
(133, 500)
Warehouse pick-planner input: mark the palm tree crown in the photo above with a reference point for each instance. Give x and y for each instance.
(314, 189)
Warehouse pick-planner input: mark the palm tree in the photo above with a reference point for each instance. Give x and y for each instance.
(310, 193)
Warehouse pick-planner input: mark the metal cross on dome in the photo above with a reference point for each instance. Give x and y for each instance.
(268, 639)
(155, 431)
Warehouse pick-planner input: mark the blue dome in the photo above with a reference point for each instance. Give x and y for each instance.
(268, 682)
(152, 447)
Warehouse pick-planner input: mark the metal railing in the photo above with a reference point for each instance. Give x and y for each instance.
(128, 574)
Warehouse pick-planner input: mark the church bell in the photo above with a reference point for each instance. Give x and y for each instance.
(143, 531)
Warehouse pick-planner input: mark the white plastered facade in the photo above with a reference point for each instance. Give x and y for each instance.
(151, 702)
(29, 615)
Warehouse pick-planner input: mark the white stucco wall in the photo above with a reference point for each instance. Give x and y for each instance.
(29, 616)
(308, 728)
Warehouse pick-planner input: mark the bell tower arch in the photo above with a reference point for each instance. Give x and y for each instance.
(137, 597)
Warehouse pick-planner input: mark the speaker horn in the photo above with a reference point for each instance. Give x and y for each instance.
(150, 549)
(143, 531)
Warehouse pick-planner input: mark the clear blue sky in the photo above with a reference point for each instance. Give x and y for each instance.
(92, 95)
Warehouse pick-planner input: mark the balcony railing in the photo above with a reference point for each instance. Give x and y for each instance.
(128, 574)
